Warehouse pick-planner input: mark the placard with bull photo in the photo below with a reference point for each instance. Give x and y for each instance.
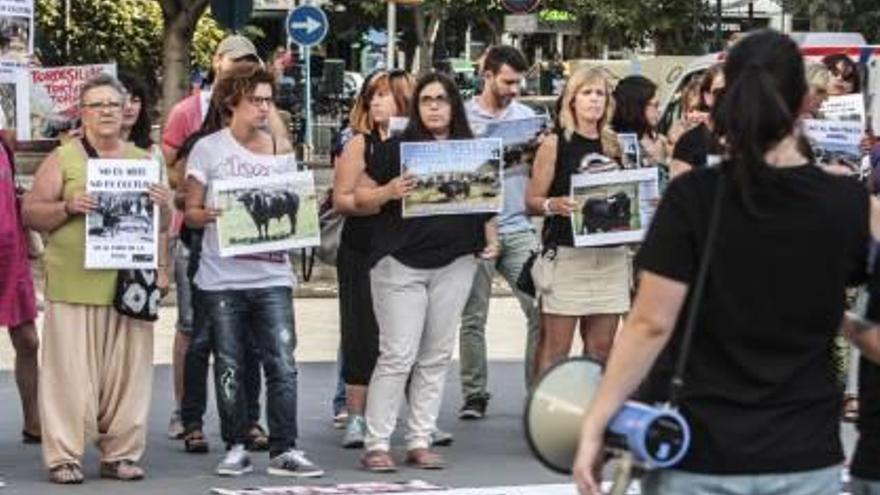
(456, 177)
(267, 213)
(631, 150)
(613, 207)
(123, 231)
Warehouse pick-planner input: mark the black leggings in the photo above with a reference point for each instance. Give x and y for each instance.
(360, 332)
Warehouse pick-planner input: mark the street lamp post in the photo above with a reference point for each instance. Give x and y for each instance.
(392, 35)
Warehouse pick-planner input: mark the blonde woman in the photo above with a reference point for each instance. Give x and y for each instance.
(578, 286)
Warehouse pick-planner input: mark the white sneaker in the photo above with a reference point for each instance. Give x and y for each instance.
(236, 462)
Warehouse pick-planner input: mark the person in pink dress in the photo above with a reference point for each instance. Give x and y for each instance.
(18, 308)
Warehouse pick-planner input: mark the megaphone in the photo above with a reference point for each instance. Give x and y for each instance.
(653, 437)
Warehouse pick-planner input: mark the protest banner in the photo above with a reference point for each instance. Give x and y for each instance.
(835, 141)
(123, 231)
(455, 177)
(16, 32)
(850, 108)
(513, 132)
(266, 213)
(54, 97)
(377, 487)
(631, 150)
(14, 103)
(613, 207)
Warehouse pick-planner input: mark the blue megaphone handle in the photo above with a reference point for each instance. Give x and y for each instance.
(635, 424)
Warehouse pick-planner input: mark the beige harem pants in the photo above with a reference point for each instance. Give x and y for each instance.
(95, 383)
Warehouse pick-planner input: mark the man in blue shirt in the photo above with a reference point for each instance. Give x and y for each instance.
(502, 73)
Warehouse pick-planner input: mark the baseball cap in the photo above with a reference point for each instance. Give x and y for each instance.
(236, 46)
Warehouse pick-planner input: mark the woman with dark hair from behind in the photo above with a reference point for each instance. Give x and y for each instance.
(422, 273)
(698, 147)
(637, 110)
(383, 95)
(761, 400)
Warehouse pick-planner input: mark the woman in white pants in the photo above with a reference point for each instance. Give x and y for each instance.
(421, 277)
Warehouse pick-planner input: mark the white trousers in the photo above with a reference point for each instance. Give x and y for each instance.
(418, 312)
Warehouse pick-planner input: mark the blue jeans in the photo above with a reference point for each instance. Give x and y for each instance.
(261, 319)
(824, 481)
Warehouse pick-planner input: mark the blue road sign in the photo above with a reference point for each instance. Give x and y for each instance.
(307, 25)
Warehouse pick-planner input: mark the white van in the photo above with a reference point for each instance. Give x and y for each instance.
(814, 47)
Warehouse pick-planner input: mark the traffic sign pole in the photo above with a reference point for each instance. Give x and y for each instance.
(307, 56)
(307, 26)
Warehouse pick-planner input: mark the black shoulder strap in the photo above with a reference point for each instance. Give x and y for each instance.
(696, 291)
(90, 150)
(274, 144)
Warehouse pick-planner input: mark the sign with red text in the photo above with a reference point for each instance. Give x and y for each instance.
(54, 98)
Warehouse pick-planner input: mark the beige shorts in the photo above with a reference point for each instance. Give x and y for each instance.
(584, 281)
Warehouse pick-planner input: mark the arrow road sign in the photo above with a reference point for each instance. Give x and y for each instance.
(307, 25)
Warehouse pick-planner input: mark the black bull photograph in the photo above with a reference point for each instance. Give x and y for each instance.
(604, 209)
(121, 214)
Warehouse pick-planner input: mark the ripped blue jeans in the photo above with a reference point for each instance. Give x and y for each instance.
(263, 318)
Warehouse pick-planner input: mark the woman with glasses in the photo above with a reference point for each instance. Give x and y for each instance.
(246, 300)
(698, 147)
(421, 276)
(637, 111)
(97, 365)
(383, 95)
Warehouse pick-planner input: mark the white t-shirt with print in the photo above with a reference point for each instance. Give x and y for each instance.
(219, 156)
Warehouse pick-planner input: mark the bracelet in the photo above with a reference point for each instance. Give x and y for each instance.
(546, 207)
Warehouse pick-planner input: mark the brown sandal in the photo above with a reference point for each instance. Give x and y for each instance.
(195, 443)
(124, 470)
(424, 459)
(378, 461)
(66, 474)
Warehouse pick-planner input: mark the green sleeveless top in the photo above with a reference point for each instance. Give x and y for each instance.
(67, 280)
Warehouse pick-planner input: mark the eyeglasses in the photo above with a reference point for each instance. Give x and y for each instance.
(103, 105)
(428, 100)
(259, 101)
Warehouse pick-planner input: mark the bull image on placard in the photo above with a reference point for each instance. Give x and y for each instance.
(265, 206)
(606, 215)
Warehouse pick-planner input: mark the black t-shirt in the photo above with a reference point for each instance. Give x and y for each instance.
(357, 230)
(866, 460)
(695, 146)
(425, 242)
(760, 392)
(569, 153)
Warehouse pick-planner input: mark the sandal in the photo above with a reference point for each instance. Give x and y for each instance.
(378, 461)
(30, 438)
(124, 470)
(257, 440)
(850, 408)
(424, 459)
(66, 474)
(194, 442)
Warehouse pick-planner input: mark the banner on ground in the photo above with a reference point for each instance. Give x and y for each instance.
(16, 32)
(455, 177)
(123, 231)
(613, 207)
(54, 97)
(266, 214)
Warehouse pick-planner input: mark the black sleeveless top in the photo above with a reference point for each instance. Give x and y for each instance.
(358, 230)
(569, 153)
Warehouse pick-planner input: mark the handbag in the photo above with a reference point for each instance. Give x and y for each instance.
(137, 294)
(331, 224)
(525, 282)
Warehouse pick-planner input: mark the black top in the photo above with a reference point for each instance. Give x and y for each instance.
(424, 242)
(695, 145)
(759, 391)
(357, 230)
(865, 460)
(569, 153)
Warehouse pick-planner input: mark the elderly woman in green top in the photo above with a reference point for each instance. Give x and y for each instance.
(96, 363)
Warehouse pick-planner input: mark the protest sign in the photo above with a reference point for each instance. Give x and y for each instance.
(14, 103)
(16, 32)
(453, 177)
(631, 150)
(54, 97)
(513, 132)
(835, 141)
(266, 213)
(850, 108)
(613, 207)
(377, 487)
(396, 125)
(123, 231)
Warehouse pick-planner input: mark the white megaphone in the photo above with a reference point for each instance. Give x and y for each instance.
(645, 437)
